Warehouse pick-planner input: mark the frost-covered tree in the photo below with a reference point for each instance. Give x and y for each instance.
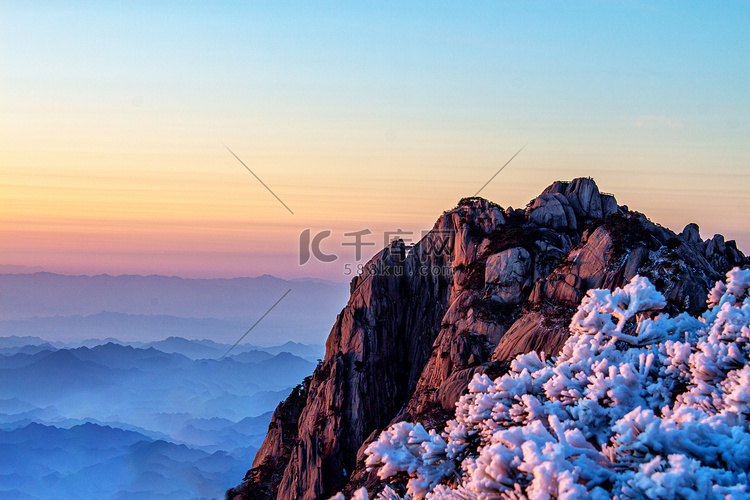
(637, 404)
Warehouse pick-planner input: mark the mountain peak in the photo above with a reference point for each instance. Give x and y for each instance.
(484, 285)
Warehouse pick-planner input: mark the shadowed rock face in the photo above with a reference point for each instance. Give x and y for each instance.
(485, 285)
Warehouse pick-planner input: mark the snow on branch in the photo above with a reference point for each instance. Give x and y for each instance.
(637, 404)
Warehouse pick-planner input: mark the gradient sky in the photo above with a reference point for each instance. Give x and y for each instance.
(377, 115)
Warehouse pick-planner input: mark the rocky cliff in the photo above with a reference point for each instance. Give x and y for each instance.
(484, 285)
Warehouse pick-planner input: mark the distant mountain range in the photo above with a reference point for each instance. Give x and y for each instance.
(144, 308)
(54, 376)
(94, 461)
(132, 387)
(193, 349)
(172, 418)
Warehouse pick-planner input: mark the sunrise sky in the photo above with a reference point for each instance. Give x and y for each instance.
(358, 115)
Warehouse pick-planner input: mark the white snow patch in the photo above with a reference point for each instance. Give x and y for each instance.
(637, 404)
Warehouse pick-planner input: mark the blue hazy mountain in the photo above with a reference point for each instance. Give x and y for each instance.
(120, 325)
(118, 374)
(193, 349)
(94, 461)
(113, 420)
(131, 387)
(143, 308)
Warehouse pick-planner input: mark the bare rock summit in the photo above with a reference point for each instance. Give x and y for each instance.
(484, 285)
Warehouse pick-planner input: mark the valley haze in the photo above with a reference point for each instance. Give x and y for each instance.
(132, 387)
(147, 308)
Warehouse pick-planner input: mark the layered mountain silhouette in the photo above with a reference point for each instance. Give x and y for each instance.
(95, 461)
(485, 285)
(119, 421)
(142, 308)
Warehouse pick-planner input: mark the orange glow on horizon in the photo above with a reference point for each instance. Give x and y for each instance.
(214, 218)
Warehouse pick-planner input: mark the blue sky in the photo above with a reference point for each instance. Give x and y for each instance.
(358, 113)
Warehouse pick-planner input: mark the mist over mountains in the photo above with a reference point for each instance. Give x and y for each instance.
(146, 308)
(112, 420)
(130, 387)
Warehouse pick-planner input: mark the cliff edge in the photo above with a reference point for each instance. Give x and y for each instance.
(484, 285)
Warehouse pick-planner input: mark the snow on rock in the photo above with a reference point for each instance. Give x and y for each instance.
(637, 404)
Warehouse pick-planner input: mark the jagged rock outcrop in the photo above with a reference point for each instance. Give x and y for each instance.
(483, 286)
(282, 437)
(507, 273)
(552, 210)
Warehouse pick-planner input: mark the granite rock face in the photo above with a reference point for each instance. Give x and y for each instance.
(507, 274)
(484, 285)
(553, 211)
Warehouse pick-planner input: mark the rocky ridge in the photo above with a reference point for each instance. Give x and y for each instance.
(483, 286)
